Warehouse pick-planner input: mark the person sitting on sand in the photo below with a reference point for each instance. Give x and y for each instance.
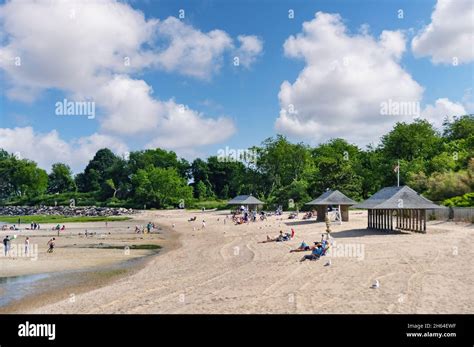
(192, 219)
(315, 253)
(51, 244)
(279, 238)
(302, 247)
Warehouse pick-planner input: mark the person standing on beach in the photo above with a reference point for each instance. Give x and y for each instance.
(27, 245)
(203, 224)
(51, 244)
(6, 245)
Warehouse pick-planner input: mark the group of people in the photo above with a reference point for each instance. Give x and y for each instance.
(318, 250)
(7, 244)
(281, 237)
(246, 216)
(34, 226)
(145, 230)
(11, 227)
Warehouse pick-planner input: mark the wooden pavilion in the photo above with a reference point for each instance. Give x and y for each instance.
(399, 208)
(246, 200)
(332, 198)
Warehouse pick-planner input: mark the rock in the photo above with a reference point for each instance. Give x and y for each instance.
(64, 211)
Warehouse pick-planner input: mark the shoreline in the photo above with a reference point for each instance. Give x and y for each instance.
(71, 282)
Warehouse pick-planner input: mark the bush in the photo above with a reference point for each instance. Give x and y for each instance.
(466, 200)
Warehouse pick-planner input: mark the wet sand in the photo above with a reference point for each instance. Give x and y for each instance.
(78, 263)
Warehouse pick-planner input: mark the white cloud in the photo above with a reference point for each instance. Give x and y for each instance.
(185, 128)
(441, 109)
(71, 46)
(251, 47)
(345, 80)
(92, 50)
(450, 33)
(190, 51)
(48, 148)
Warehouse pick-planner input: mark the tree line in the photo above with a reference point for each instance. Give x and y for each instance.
(438, 164)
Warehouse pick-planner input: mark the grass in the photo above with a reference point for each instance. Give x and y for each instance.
(208, 204)
(60, 219)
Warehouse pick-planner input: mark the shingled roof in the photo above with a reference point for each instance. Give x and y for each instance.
(397, 198)
(245, 200)
(332, 197)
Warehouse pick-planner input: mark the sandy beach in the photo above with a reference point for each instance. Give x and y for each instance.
(224, 269)
(78, 263)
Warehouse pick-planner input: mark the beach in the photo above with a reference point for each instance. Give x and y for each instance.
(78, 264)
(224, 269)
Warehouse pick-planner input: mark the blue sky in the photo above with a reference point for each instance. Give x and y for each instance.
(245, 98)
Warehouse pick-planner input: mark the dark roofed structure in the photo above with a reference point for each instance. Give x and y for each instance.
(329, 198)
(402, 203)
(332, 197)
(246, 200)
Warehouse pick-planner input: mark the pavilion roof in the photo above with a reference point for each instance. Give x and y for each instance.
(332, 197)
(397, 198)
(245, 200)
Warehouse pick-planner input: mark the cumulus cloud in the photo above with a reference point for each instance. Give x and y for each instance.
(49, 148)
(95, 50)
(449, 36)
(190, 51)
(345, 80)
(443, 108)
(185, 128)
(251, 47)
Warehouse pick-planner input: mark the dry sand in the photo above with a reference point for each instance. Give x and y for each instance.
(223, 269)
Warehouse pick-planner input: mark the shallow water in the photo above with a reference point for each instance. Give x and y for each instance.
(16, 288)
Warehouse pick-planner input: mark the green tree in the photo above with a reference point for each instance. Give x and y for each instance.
(160, 187)
(282, 162)
(201, 190)
(461, 127)
(96, 172)
(410, 141)
(337, 165)
(21, 177)
(60, 179)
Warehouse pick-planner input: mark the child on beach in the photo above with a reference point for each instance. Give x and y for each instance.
(51, 244)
